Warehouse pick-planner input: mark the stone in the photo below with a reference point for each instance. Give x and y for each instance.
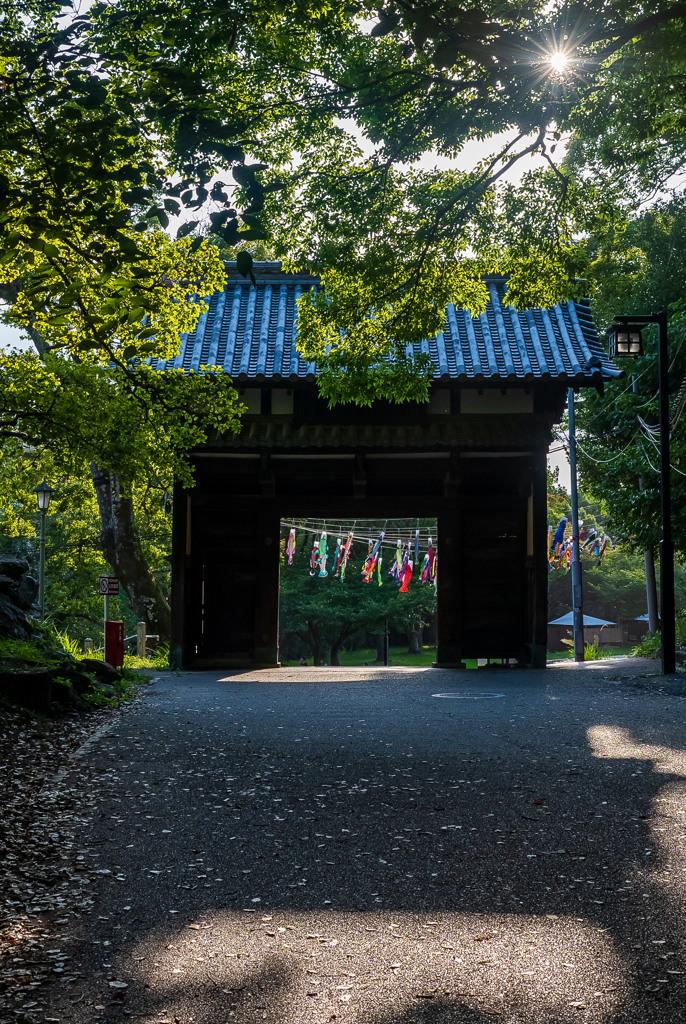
(103, 671)
(32, 688)
(13, 567)
(25, 592)
(13, 621)
(78, 678)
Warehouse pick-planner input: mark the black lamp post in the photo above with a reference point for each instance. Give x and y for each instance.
(43, 493)
(626, 342)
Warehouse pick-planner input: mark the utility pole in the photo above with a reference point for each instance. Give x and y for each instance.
(649, 563)
(577, 584)
(667, 607)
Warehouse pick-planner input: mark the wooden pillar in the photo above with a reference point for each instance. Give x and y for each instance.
(267, 561)
(180, 542)
(539, 561)
(449, 593)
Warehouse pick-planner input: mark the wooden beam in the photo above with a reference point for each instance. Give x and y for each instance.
(180, 540)
(267, 563)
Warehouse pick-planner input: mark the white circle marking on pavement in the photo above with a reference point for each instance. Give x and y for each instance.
(469, 696)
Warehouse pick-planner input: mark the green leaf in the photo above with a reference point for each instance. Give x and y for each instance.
(186, 229)
(244, 263)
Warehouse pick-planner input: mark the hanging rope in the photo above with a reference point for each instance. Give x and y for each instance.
(360, 530)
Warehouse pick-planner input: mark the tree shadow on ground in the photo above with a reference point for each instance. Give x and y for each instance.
(458, 886)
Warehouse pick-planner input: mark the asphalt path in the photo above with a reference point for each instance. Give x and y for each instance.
(373, 845)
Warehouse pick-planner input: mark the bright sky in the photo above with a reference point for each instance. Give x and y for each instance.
(10, 337)
(559, 460)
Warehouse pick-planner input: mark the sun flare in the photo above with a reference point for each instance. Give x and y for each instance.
(559, 62)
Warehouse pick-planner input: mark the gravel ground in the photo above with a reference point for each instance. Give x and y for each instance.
(317, 845)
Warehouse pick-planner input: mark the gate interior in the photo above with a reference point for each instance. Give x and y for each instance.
(488, 583)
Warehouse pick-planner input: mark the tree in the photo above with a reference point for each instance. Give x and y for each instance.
(82, 420)
(74, 551)
(114, 123)
(641, 265)
(638, 270)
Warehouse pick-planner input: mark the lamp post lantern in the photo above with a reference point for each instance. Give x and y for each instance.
(43, 493)
(626, 342)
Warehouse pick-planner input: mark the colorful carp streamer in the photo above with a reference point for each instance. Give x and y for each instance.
(401, 570)
(318, 556)
(560, 550)
(321, 559)
(346, 554)
(338, 554)
(313, 555)
(290, 546)
(372, 560)
(405, 563)
(429, 566)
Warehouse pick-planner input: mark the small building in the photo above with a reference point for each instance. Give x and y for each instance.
(562, 629)
(636, 629)
(474, 457)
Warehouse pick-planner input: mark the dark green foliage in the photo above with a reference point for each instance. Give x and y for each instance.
(639, 270)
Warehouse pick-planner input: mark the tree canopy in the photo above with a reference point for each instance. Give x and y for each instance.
(120, 120)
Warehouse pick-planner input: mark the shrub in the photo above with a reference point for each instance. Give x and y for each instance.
(592, 652)
(651, 644)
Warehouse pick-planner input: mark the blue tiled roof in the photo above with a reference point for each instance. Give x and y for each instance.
(251, 332)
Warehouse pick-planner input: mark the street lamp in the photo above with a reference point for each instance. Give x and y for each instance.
(43, 493)
(626, 342)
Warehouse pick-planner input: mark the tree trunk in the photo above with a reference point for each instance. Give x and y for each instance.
(651, 591)
(122, 549)
(379, 648)
(414, 640)
(429, 631)
(338, 643)
(315, 643)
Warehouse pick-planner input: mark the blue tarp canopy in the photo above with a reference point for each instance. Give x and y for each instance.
(589, 620)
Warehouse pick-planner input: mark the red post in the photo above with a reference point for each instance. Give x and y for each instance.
(114, 643)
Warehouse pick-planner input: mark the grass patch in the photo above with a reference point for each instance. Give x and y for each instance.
(367, 656)
(25, 651)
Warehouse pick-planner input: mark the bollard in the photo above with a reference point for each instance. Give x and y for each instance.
(140, 644)
(88, 645)
(114, 643)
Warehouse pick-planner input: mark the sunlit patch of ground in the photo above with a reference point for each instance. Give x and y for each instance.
(668, 821)
(286, 966)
